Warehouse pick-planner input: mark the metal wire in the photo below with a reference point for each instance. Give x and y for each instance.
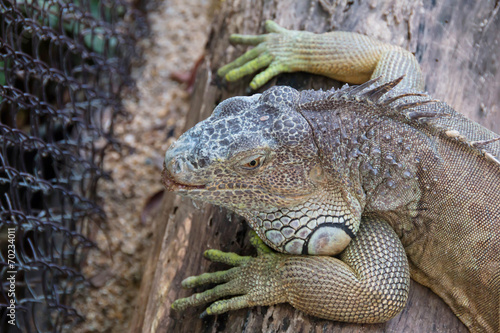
(63, 65)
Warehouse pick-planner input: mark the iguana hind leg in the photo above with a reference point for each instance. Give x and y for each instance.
(368, 284)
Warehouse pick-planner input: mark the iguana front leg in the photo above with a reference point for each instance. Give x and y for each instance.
(368, 284)
(344, 56)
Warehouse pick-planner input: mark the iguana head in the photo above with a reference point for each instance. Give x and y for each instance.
(257, 157)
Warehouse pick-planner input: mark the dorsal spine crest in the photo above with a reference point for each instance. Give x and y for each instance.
(392, 107)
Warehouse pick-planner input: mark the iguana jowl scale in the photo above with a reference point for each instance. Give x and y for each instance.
(379, 174)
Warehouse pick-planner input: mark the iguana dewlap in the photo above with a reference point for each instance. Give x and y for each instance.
(378, 174)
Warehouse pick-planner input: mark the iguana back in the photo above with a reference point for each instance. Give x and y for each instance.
(436, 181)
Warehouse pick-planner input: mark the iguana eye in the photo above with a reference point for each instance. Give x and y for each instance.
(252, 163)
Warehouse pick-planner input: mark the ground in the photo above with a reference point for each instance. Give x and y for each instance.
(179, 29)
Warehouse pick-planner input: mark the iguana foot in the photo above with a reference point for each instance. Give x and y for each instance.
(254, 279)
(369, 285)
(340, 55)
(274, 50)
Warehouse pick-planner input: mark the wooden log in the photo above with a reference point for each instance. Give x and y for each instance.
(456, 42)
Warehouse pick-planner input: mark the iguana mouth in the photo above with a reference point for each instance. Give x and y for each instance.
(172, 185)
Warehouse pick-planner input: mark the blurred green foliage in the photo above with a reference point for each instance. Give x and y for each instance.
(96, 38)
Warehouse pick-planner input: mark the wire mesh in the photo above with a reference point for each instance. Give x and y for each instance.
(63, 65)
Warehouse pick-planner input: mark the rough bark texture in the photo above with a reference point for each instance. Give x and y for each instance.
(456, 43)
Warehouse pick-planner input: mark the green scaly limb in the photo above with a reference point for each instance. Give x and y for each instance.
(344, 56)
(381, 282)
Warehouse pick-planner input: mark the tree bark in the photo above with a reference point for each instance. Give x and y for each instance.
(456, 43)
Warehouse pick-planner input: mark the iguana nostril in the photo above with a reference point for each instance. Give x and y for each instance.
(176, 166)
(179, 157)
(179, 164)
(202, 162)
(172, 162)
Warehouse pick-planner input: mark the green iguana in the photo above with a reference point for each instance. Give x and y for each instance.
(357, 188)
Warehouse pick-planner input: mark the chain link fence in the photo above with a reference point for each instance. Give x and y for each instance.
(63, 65)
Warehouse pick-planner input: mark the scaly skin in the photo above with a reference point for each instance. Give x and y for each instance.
(344, 56)
(375, 174)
